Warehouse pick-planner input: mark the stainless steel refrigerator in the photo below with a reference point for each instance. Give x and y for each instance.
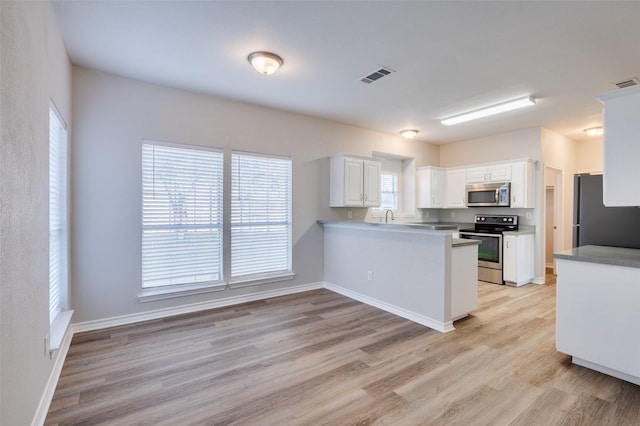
(595, 224)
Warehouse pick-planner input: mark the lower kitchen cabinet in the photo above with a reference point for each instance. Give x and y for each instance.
(517, 259)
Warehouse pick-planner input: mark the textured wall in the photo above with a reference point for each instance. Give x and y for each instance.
(34, 69)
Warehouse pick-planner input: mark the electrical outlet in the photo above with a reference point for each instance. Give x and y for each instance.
(529, 215)
(426, 215)
(453, 214)
(369, 275)
(349, 214)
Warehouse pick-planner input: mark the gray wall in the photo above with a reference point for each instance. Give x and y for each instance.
(33, 68)
(111, 117)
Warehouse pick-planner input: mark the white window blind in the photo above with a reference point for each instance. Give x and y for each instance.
(260, 215)
(389, 191)
(58, 266)
(181, 215)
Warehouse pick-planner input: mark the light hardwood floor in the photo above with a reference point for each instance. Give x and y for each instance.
(320, 358)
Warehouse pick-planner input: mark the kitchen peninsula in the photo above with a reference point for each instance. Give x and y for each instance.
(597, 297)
(417, 271)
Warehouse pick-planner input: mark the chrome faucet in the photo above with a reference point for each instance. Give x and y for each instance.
(386, 216)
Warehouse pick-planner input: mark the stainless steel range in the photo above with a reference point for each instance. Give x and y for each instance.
(488, 230)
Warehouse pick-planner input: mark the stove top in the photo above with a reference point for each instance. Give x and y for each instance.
(494, 224)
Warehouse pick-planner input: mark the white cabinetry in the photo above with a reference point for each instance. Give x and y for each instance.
(464, 280)
(621, 143)
(456, 183)
(517, 259)
(430, 187)
(492, 173)
(354, 181)
(523, 185)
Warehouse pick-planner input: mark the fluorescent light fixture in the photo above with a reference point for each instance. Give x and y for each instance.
(409, 133)
(265, 62)
(490, 110)
(594, 131)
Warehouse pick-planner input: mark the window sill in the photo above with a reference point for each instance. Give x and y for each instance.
(264, 279)
(59, 328)
(160, 293)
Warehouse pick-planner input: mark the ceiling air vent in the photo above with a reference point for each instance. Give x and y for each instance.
(628, 83)
(382, 72)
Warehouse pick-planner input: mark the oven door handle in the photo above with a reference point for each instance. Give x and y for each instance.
(479, 234)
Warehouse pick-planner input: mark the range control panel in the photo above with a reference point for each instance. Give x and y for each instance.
(496, 220)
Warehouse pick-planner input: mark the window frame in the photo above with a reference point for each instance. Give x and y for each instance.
(152, 292)
(58, 214)
(276, 274)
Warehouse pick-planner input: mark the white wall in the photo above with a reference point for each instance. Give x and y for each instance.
(111, 117)
(589, 156)
(560, 152)
(33, 68)
(523, 143)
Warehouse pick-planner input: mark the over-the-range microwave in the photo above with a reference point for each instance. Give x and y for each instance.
(488, 194)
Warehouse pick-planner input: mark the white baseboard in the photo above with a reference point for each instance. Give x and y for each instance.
(443, 327)
(194, 307)
(47, 395)
(539, 280)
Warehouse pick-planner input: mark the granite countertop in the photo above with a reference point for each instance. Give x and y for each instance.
(430, 226)
(617, 256)
(522, 230)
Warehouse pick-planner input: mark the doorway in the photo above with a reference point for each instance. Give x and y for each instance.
(553, 229)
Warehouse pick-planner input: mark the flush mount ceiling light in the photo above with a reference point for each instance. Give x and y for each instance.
(409, 133)
(490, 110)
(265, 62)
(594, 131)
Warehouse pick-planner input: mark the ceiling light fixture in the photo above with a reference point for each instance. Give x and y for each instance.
(594, 131)
(265, 62)
(409, 133)
(490, 110)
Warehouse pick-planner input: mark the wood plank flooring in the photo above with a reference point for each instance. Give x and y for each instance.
(319, 358)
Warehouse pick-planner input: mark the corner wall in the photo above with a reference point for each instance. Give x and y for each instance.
(112, 115)
(34, 67)
(561, 153)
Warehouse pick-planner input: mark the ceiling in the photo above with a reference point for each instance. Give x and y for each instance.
(449, 57)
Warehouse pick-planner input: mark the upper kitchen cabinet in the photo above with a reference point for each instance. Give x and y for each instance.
(354, 181)
(430, 187)
(621, 142)
(492, 173)
(456, 184)
(523, 184)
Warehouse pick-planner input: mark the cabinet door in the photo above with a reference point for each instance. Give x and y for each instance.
(499, 173)
(371, 183)
(517, 259)
(430, 187)
(621, 148)
(509, 259)
(353, 182)
(522, 184)
(455, 185)
(477, 175)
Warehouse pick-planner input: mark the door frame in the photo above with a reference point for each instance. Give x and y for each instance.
(558, 210)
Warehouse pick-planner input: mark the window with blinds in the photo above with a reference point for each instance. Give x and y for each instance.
(181, 215)
(58, 266)
(388, 191)
(260, 215)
